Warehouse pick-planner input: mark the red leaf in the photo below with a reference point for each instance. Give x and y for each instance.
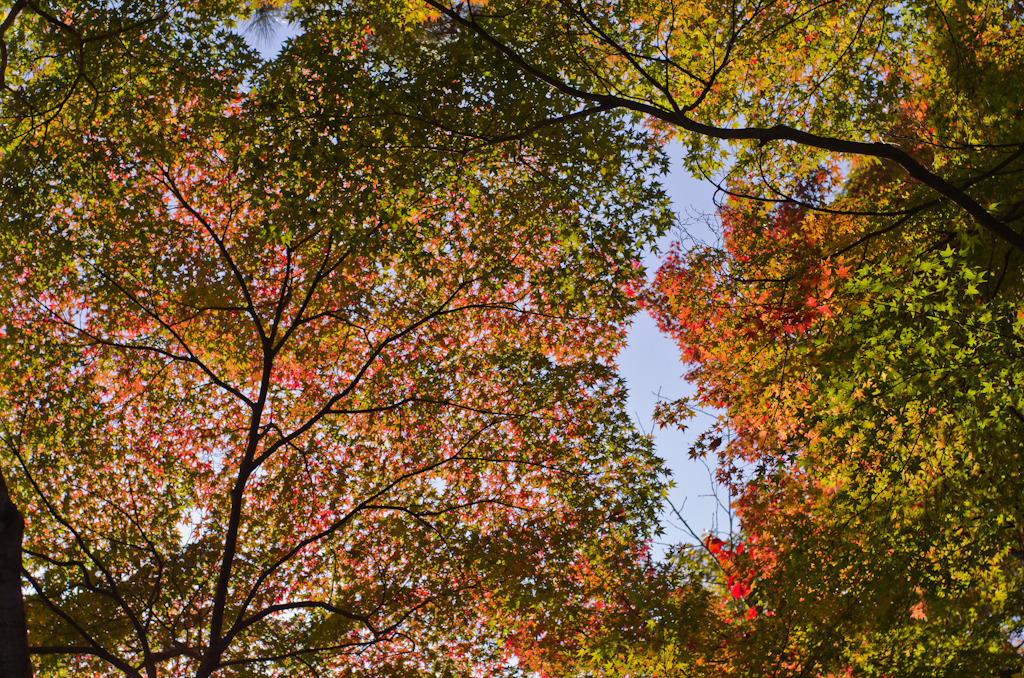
(739, 590)
(713, 544)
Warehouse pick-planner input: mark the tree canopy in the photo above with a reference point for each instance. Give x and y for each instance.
(302, 376)
(309, 362)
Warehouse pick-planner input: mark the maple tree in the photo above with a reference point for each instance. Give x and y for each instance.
(863, 341)
(301, 377)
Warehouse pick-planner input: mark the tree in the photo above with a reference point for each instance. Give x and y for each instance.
(871, 443)
(864, 344)
(303, 379)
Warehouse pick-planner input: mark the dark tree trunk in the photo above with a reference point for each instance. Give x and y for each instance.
(14, 661)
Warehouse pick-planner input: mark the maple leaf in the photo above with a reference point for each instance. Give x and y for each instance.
(713, 544)
(739, 590)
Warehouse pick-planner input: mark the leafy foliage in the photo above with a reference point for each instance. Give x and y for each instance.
(302, 377)
(308, 362)
(864, 344)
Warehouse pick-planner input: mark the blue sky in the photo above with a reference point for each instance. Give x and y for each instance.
(651, 366)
